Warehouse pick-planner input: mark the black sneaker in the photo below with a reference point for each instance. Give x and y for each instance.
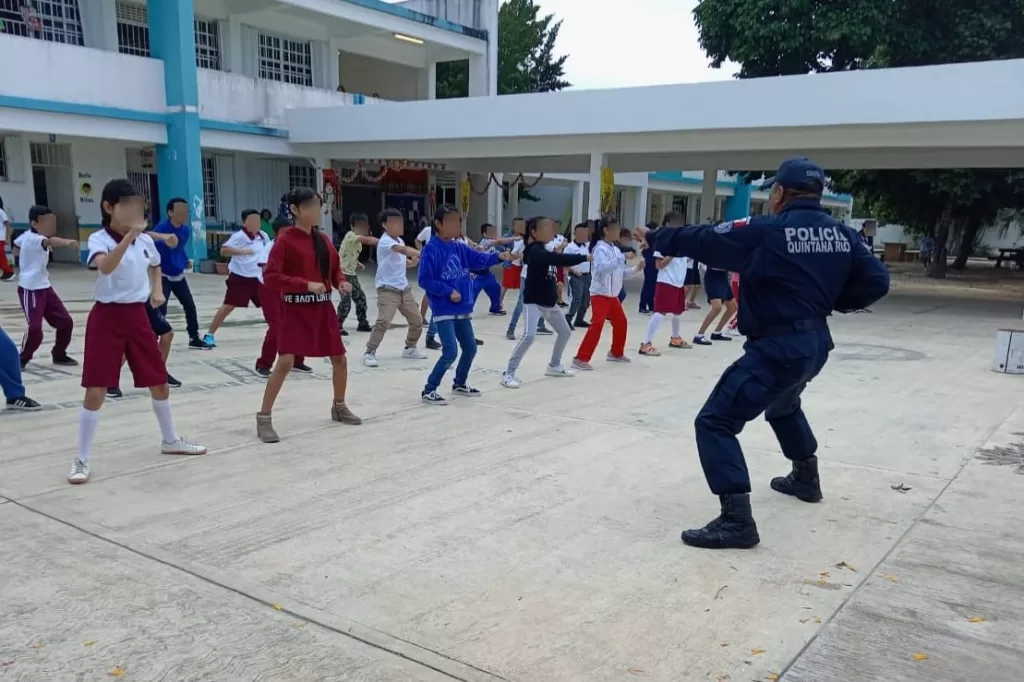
(719, 336)
(582, 324)
(802, 482)
(433, 398)
(24, 364)
(114, 392)
(343, 332)
(733, 529)
(701, 340)
(23, 404)
(479, 342)
(262, 372)
(432, 343)
(544, 331)
(197, 343)
(467, 391)
(301, 368)
(497, 312)
(364, 327)
(65, 361)
(7, 277)
(172, 382)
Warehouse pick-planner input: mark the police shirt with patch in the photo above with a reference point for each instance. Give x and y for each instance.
(800, 264)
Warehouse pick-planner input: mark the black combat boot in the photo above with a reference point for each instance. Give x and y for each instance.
(733, 529)
(802, 482)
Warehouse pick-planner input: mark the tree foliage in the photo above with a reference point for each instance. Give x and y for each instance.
(788, 37)
(527, 61)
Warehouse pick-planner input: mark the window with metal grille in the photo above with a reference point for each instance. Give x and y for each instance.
(301, 176)
(133, 35)
(210, 187)
(3, 160)
(207, 44)
(288, 61)
(58, 21)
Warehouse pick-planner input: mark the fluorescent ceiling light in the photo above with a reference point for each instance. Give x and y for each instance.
(408, 39)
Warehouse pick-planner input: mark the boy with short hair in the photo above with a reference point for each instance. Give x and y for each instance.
(394, 295)
(484, 280)
(244, 248)
(38, 299)
(351, 247)
(579, 277)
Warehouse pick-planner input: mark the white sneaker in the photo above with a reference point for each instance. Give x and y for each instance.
(370, 359)
(559, 371)
(79, 472)
(414, 353)
(510, 380)
(182, 447)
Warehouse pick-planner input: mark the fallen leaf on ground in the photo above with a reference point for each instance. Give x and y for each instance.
(848, 567)
(119, 671)
(724, 644)
(817, 620)
(976, 619)
(900, 488)
(277, 607)
(890, 578)
(920, 657)
(301, 624)
(91, 642)
(804, 620)
(37, 645)
(722, 678)
(756, 652)
(824, 574)
(772, 676)
(635, 671)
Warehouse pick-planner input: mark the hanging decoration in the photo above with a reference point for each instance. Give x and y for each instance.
(520, 179)
(466, 188)
(607, 190)
(372, 171)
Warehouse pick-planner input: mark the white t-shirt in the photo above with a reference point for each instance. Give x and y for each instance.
(264, 256)
(518, 246)
(579, 250)
(129, 282)
(391, 265)
(34, 259)
(3, 223)
(246, 266)
(424, 236)
(674, 273)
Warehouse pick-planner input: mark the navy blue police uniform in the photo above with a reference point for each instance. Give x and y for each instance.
(795, 268)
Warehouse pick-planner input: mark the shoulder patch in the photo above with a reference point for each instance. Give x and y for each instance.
(722, 228)
(742, 222)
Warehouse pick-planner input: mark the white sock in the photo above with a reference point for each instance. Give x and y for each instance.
(652, 328)
(87, 422)
(676, 324)
(162, 409)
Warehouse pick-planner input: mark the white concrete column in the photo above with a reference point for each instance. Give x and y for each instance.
(691, 209)
(326, 221)
(333, 63)
(597, 161)
(495, 201)
(99, 24)
(478, 76)
(233, 60)
(427, 81)
(639, 208)
(577, 203)
(708, 195)
(513, 201)
(489, 16)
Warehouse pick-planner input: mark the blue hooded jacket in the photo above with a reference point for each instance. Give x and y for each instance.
(445, 267)
(173, 261)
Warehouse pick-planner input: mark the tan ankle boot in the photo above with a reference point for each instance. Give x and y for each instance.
(341, 413)
(265, 429)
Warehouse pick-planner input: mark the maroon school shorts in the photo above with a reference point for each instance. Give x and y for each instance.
(669, 300)
(242, 290)
(307, 325)
(121, 330)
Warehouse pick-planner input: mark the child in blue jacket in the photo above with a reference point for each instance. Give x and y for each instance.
(445, 266)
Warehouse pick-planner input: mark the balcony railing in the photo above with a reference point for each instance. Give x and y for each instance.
(463, 12)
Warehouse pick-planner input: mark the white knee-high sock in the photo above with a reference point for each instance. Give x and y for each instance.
(162, 409)
(652, 328)
(676, 323)
(87, 422)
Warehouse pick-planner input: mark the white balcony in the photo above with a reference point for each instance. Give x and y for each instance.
(463, 12)
(240, 99)
(48, 72)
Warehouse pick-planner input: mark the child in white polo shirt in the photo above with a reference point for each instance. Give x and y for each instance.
(244, 247)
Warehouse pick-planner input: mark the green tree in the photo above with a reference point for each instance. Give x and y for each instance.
(788, 37)
(527, 61)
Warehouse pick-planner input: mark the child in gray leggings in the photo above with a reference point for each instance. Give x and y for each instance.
(540, 298)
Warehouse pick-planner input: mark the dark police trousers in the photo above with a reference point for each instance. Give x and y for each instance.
(775, 368)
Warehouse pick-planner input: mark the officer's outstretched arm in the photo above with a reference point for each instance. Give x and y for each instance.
(726, 246)
(867, 282)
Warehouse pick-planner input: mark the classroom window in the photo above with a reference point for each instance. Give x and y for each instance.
(301, 176)
(133, 35)
(3, 160)
(210, 187)
(284, 60)
(57, 21)
(207, 44)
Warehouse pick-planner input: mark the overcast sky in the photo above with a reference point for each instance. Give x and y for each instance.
(631, 43)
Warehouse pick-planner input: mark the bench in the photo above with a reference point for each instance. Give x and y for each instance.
(1014, 254)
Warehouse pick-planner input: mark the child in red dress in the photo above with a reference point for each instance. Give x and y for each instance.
(304, 267)
(118, 326)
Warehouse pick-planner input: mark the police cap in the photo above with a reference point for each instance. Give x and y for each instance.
(799, 174)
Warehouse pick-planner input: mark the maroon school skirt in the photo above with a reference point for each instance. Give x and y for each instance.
(669, 300)
(121, 330)
(307, 325)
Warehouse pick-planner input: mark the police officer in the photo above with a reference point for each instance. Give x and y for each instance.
(796, 266)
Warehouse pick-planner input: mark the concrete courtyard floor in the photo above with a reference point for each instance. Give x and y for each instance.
(529, 535)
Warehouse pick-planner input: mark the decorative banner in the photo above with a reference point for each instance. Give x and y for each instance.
(466, 189)
(607, 190)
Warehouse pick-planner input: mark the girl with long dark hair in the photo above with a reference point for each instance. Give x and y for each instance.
(303, 268)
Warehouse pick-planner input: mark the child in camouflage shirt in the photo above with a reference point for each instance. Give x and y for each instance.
(351, 247)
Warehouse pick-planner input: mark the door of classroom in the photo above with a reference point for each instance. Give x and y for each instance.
(53, 183)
